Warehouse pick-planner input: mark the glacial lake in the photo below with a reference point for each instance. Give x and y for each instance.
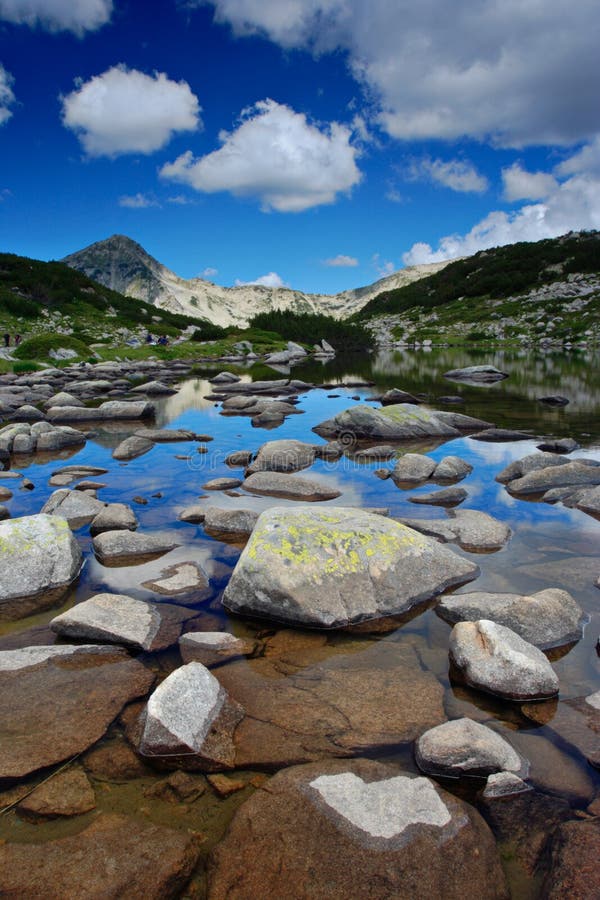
(550, 546)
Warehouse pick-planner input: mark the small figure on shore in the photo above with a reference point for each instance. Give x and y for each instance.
(163, 340)
(149, 338)
(17, 340)
(7, 339)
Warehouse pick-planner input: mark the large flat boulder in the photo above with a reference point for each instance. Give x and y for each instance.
(74, 506)
(125, 548)
(329, 568)
(111, 409)
(549, 618)
(404, 421)
(40, 559)
(482, 374)
(57, 701)
(305, 704)
(114, 858)
(355, 829)
(283, 456)
(471, 529)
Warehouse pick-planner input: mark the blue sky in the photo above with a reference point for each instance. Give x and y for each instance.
(315, 143)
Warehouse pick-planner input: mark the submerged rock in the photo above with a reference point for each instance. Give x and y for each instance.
(132, 447)
(189, 721)
(40, 559)
(549, 618)
(446, 497)
(465, 747)
(471, 529)
(68, 793)
(57, 701)
(114, 857)
(333, 567)
(355, 829)
(214, 647)
(494, 659)
(574, 870)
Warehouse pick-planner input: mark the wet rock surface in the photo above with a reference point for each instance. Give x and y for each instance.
(471, 529)
(67, 794)
(399, 422)
(289, 487)
(114, 857)
(355, 829)
(125, 547)
(465, 747)
(57, 701)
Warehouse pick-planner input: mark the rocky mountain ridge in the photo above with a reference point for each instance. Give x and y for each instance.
(123, 265)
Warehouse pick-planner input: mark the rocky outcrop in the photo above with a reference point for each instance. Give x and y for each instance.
(40, 559)
(355, 829)
(334, 567)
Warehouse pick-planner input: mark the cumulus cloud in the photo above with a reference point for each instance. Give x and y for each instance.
(522, 185)
(383, 267)
(209, 272)
(271, 279)
(276, 155)
(138, 201)
(520, 72)
(77, 16)
(7, 98)
(455, 174)
(572, 204)
(125, 111)
(341, 260)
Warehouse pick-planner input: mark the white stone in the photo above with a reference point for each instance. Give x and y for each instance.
(594, 700)
(110, 617)
(25, 658)
(383, 809)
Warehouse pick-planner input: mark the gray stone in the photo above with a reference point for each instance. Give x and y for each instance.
(221, 484)
(40, 559)
(465, 747)
(239, 459)
(469, 528)
(229, 524)
(181, 578)
(119, 619)
(403, 421)
(393, 396)
(24, 443)
(211, 648)
(190, 717)
(62, 399)
(154, 389)
(166, 435)
(111, 409)
(446, 497)
(225, 378)
(291, 487)
(451, 468)
(114, 517)
(74, 506)
(59, 438)
(571, 474)
(194, 514)
(500, 435)
(588, 501)
(332, 567)
(549, 618)
(504, 784)
(484, 374)
(494, 659)
(132, 447)
(527, 464)
(413, 468)
(125, 548)
(282, 456)
(560, 445)
(28, 413)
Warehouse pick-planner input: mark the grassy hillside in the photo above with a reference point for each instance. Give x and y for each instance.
(494, 274)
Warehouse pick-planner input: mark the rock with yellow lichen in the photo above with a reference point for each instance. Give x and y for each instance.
(39, 558)
(333, 567)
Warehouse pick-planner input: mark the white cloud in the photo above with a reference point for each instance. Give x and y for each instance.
(341, 260)
(383, 267)
(137, 201)
(125, 111)
(521, 72)
(572, 204)
(77, 16)
(180, 200)
(272, 279)
(7, 98)
(522, 185)
(455, 174)
(209, 272)
(275, 154)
